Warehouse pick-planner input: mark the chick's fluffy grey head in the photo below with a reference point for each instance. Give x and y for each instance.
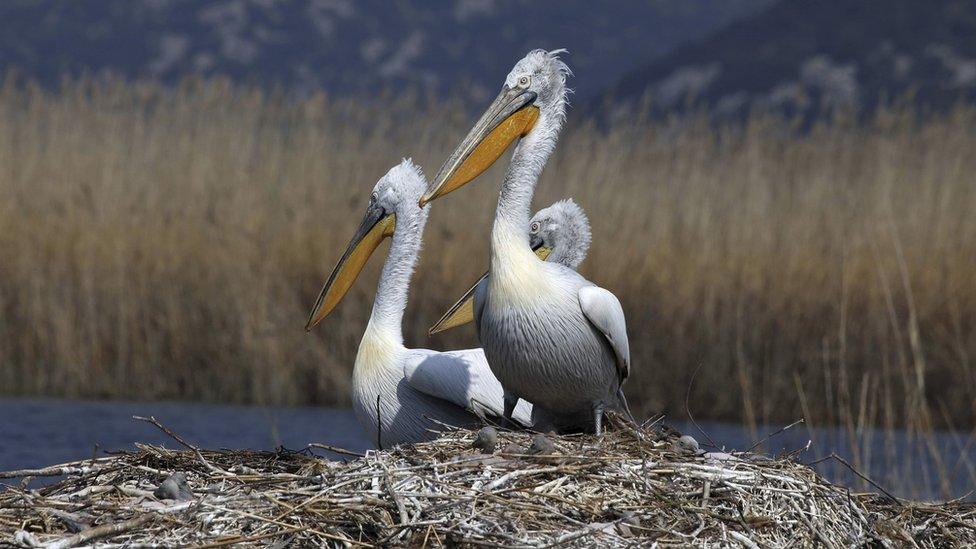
(400, 189)
(565, 228)
(544, 73)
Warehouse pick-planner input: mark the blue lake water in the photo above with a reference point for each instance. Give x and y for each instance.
(39, 432)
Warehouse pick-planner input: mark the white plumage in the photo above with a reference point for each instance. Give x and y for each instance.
(559, 233)
(397, 391)
(551, 337)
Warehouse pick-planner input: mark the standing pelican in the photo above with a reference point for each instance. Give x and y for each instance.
(394, 389)
(559, 233)
(551, 337)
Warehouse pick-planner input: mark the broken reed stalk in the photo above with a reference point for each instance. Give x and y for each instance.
(379, 425)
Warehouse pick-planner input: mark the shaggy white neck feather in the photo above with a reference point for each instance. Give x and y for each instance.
(384, 333)
(515, 269)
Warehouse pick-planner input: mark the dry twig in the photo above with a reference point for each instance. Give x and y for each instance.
(623, 490)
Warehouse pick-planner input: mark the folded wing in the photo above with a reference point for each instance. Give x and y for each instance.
(604, 312)
(462, 378)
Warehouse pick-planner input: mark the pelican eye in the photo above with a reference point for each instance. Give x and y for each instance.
(524, 81)
(373, 198)
(535, 227)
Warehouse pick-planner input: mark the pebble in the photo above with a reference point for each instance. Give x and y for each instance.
(174, 487)
(512, 448)
(541, 445)
(486, 440)
(685, 444)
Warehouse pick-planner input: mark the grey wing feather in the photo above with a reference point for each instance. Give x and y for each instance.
(603, 310)
(462, 378)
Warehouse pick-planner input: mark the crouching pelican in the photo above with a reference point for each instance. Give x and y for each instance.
(559, 233)
(551, 337)
(395, 390)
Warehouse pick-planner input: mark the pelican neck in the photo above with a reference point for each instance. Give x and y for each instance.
(386, 319)
(510, 232)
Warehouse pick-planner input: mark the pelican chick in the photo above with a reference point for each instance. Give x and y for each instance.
(397, 391)
(558, 233)
(551, 336)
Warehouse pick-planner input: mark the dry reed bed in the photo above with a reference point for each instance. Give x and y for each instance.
(168, 243)
(621, 491)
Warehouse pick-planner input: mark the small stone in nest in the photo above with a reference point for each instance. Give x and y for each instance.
(685, 444)
(541, 445)
(486, 440)
(512, 448)
(174, 487)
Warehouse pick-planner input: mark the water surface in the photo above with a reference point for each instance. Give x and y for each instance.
(39, 432)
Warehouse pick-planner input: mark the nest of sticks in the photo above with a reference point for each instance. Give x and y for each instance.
(627, 489)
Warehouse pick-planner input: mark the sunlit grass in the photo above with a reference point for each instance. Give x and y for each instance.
(168, 244)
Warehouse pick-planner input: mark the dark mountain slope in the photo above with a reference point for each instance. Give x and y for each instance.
(349, 47)
(804, 54)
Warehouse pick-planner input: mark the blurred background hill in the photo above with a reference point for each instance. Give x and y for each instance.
(802, 56)
(727, 55)
(349, 47)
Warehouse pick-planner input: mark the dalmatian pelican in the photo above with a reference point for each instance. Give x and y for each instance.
(558, 233)
(396, 391)
(551, 337)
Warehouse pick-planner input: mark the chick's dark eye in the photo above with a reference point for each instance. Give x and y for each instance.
(373, 198)
(535, 227)
(523, 81)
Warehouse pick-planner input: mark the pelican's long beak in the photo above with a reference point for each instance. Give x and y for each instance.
(377, 224)
(462, 312)
(510, 116)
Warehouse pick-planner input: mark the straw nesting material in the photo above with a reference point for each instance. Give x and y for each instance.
(623, 490)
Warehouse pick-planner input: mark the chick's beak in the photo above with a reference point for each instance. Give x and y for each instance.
(462, 312)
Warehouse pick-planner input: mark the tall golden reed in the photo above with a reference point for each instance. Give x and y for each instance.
(169, 243)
